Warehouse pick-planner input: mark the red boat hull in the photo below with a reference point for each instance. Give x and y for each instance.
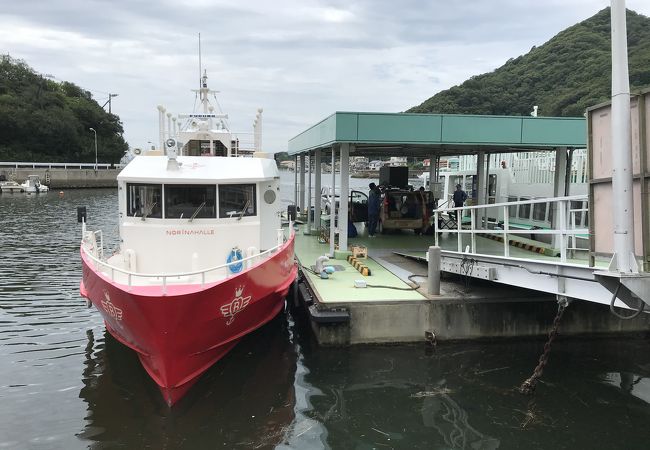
(180, 334)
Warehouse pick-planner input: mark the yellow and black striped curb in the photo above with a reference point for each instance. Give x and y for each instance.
(529, 247)
(361, 267)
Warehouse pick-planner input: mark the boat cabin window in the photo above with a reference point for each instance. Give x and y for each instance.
(512, 210)
(187, 201)
(539, 211)
(144, 200)
(455, 180)
(237, 200)
(492, 186)
(202, 148)
(524, 210)
(576, 206)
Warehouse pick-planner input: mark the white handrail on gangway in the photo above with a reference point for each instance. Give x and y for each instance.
(563, 231)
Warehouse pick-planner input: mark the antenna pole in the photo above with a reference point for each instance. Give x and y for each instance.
(200, 71)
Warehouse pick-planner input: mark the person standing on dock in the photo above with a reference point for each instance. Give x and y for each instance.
(459, 200)
(374, 205)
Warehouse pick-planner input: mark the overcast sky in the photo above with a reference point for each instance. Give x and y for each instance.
(299, 60)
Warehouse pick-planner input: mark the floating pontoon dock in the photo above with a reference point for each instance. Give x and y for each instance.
(485, 297)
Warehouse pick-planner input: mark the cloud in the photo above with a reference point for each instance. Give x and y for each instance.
(299, 60)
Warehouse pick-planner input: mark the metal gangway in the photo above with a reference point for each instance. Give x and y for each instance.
(573, 274)
(618, 151)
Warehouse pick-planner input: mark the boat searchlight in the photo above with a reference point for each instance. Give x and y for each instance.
(172, 163)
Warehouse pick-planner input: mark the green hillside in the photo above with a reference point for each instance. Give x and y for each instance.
(569, 73)
(42, 120)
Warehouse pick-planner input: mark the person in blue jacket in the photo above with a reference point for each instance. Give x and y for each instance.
(374, 206)
(459, 200)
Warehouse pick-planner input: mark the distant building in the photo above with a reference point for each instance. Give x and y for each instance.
(359, 163)
(397, 161)
(375, 165)
(288, 165)
(444, 163)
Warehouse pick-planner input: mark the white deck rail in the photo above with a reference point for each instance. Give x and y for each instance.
(96, 254)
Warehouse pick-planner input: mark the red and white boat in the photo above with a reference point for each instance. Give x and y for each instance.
(202, 259)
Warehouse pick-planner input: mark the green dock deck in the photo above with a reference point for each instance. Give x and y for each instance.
(339, 288)
(386, 268)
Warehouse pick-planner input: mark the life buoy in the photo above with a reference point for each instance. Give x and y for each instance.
(235, 255)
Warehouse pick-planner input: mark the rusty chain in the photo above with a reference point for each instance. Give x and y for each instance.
(528, 386)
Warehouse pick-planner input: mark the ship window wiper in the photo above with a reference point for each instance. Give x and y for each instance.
(146, 214)
(243, 211)
(197, 211)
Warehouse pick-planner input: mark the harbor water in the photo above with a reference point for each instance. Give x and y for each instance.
(65, 383)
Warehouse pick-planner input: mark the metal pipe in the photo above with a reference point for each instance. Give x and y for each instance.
(309, 193)
(562, 222)
(433, 281)
(623, 204)
(301, 198)
(343, 202)
(317, 188)
(459, 225)
(435, 226)
(333, 204)
(473, 227)
(295, 182)
(161, 127)
(506, 228)
(480, 181)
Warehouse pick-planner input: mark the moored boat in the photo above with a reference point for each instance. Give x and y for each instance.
(33, 185)
(514, 177)
(10, 187)
(202, 259)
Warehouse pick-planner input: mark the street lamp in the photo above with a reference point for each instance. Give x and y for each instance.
(93, 130)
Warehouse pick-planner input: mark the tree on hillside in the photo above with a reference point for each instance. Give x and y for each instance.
(42, 120)
(564, 77)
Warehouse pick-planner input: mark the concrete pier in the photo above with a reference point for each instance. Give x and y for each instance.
(389, 310)
(61, 176)
(460, 318)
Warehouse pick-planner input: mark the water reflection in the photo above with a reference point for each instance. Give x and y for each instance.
(246, 400)
(441, 412)
(375, 396)
(631, 384)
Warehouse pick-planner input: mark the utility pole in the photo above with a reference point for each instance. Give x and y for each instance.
(95, 132)
(108, 102)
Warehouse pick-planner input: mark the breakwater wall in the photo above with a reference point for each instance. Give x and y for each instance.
(63, 175)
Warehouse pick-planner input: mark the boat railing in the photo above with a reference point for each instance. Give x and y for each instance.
(96, 254)
(565, 224)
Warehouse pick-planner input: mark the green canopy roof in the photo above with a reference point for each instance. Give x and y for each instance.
(444, 134)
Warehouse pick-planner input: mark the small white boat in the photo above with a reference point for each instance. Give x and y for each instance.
(9, 187)
(33, 185)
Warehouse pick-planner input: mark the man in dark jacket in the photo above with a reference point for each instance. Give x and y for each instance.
(374, 206)
(459, 200)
